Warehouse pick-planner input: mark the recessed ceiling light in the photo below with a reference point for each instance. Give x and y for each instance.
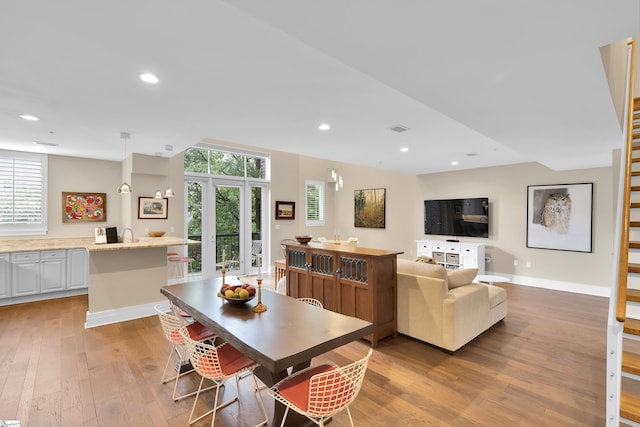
(149, 78)
(29, 117)
(404, 149)
(324, 126)
(454, 163)
(48, 144)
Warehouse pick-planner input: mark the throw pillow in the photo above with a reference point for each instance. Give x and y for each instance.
(461, 277)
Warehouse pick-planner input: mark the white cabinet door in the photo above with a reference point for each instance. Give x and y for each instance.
(26, 273)
(424, 248)
(53, 271)
(5, 275)
(77, 267)
(469, 257)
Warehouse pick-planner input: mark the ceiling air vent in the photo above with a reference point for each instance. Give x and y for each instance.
(399, 128)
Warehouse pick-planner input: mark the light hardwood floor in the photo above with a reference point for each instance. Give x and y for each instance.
(544, 365)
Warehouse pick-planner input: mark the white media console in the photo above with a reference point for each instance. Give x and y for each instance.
(453, 255)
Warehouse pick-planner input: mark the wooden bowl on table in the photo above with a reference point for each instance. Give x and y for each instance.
(303, 239)
(156, 233)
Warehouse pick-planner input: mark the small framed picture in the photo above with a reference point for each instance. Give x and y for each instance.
(285, 210)
(151, 208)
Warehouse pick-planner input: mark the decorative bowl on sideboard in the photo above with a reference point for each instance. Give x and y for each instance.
(303, 239)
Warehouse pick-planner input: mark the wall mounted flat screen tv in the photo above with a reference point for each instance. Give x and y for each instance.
(457, 217)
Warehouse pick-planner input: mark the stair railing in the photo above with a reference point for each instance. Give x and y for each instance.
(625, 188)
(618, 300)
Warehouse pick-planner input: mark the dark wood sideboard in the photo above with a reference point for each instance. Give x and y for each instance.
(350, 280)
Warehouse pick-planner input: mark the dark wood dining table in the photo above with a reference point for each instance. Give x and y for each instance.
(289, 334)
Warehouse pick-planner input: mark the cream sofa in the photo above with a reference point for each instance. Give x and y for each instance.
(444, 307)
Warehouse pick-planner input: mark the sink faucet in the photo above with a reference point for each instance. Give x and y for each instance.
(124, 240)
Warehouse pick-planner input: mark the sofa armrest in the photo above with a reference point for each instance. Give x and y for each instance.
(420, 307)
(466, 314)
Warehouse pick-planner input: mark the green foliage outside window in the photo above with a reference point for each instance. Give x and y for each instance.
(223, 164)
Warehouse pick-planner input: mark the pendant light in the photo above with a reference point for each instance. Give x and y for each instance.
(125, 188)
(336, 179)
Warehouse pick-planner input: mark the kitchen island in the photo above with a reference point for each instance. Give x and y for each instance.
(123, 279)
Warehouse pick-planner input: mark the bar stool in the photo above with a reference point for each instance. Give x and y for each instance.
(178, 265)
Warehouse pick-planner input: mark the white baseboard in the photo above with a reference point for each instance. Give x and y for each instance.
(557, 285)
(43, 296)
(107, 317)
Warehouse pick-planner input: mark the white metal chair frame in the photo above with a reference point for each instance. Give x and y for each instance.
(329, 392)
(206, 361)
(171, 325)
(311, 301)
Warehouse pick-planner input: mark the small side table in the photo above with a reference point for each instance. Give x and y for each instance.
(491, 279)
(281, 269)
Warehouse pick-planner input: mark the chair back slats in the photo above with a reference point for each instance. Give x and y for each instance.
(204, 357)
(311, 301)
(171, 325)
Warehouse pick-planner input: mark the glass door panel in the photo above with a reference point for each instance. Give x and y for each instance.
(194, 226)
(228, 215)
(258, 228)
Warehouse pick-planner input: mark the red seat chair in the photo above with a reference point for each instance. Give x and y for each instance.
(171, 325)
(219, 364)
(322, 391)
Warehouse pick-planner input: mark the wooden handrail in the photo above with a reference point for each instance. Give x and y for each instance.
(623, 265)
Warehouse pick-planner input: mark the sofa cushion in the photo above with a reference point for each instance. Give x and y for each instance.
(422, 269)
(497, 296)
(461, 277)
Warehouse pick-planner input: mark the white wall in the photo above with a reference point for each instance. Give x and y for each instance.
(505, 186)
(71, 174)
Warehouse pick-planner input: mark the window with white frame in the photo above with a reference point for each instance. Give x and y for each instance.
(314, 203)
(23, 193)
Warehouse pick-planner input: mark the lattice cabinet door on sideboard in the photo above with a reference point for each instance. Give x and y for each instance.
(453, 255)
(350, 280)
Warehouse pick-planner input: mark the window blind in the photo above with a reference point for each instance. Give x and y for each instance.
(22, 193)
(314, 203)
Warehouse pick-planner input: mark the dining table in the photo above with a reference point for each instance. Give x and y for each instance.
(287, 335)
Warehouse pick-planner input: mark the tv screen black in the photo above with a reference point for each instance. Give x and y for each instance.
(457, 217)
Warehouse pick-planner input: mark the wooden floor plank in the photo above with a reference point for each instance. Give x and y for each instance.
(544, 365)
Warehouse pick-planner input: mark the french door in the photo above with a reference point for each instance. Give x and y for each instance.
(228, 216)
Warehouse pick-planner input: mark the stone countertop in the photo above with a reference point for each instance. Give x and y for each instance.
(89, 244)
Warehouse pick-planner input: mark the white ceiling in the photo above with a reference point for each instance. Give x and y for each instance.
(508, 81)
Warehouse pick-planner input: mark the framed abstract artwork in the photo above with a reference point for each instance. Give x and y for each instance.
(84, 207)
(369, 208)
(560, 217)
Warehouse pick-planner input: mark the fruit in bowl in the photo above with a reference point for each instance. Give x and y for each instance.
(238, 294)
